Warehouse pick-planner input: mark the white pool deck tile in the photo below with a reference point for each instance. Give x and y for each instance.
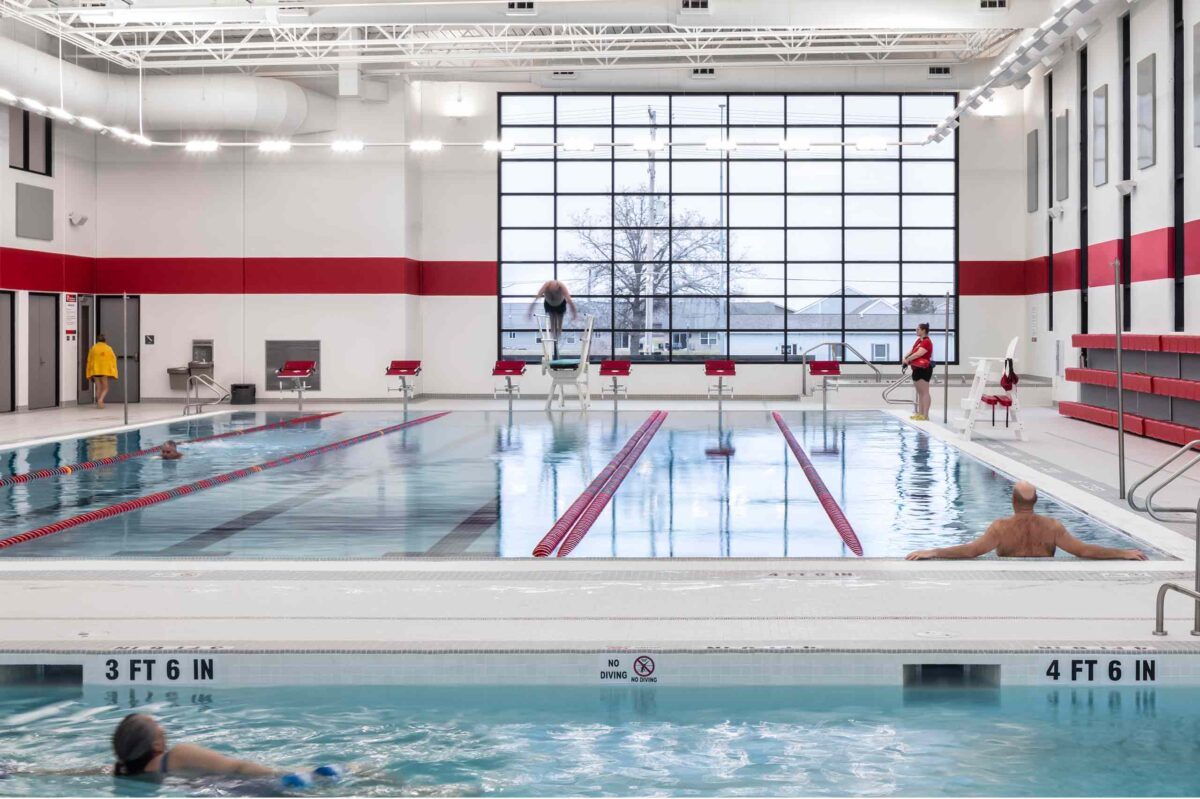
(525, 605)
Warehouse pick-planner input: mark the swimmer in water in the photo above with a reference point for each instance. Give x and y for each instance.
(556, 298)
(140, 744)
(170, 451)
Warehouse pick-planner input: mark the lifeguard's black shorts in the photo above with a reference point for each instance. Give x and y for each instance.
(922, 373)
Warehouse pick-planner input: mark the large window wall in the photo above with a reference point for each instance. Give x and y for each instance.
(758, 253)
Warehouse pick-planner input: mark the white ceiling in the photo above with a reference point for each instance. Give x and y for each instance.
(433, 38)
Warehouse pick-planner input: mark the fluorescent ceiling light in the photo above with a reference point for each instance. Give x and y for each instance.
(202, 146)
(33, 105)
(274, 146)
(7, 97)
(90, 123)
(347, 146)
(721, 145)
(425, 145)
(121, 133)
(649, 145)
(795, 145)
(141, 140)
(499, 146)
(579, 145)
(871, 144)
(61, 114)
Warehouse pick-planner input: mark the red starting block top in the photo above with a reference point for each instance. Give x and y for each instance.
(508, 368)
(615, 368)
(719, 368)
(404, 369)
(824, 368)
(296, 369)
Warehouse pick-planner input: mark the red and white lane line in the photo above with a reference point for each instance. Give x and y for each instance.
(200, 485)
(563, 526)
(840, 522)
(601, 499)
(41, 474)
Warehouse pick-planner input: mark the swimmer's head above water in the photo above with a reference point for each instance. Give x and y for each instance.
(170, 451)
(137, 740)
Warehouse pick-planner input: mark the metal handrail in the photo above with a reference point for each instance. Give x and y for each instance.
(832, 345)
(194, 382)
(887, 391)
(1148, 506)
(1161, 602)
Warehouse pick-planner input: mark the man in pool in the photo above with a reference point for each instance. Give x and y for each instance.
(556, 298)
(1026, 534)
(170, 451)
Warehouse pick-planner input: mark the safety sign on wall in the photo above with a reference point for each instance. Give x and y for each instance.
(71, 316)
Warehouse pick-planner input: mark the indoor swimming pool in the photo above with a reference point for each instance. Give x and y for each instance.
(490, 484)
(542, 741)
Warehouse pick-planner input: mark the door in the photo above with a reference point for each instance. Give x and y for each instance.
(8, 400)
(85, 337)
(43, 350)
(111, 321)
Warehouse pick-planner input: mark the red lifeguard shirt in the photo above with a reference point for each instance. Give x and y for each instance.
(926, 360)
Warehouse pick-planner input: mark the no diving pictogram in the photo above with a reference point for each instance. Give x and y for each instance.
(643, 666)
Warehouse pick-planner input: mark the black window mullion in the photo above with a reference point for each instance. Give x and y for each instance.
(1177, 96)
(1084, 188)
(1126, 287)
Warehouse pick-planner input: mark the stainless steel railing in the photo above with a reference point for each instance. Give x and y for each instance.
(1148, 506)
(195, 403)
(887, 391)
(833, 346)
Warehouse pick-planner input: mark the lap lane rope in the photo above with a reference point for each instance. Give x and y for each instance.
(832, 509)
(200, 485)
(41, 474)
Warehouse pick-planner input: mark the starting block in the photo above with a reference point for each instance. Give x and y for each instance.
(508, 370)
(296, 373)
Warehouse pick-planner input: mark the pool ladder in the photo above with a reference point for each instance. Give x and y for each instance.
(1155, 512)
(195, 403)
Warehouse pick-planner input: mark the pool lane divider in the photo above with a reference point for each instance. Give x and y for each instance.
(563, 526)
(832, 509)
(601, 500)
(57, 471)
(200, 485)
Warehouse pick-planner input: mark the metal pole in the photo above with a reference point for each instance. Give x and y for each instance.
(125, 352)
(1119, 312)
(946, 367)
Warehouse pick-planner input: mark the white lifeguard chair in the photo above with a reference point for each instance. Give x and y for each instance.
(987, 369)
(565, 372)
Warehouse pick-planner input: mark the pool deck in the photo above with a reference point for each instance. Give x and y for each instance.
(581, 604)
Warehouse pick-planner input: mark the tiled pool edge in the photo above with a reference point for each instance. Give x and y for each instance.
(1104, 666)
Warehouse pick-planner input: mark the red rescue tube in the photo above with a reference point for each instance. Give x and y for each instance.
(601, 500)
(200, 485)
(75, 467)
(840, 522)
(561, 527)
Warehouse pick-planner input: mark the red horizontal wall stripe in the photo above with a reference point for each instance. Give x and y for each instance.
(332, 276)
(169, 275)
(984, 278)
(1066, 270)
(1153, 255)
(459, 278)
(30, 270)
(1191, 247)
(1100, 258)
(1036, 275)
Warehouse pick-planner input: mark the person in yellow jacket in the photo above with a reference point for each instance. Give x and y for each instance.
(101, 365)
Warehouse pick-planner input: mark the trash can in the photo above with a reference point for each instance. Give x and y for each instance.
(243, 394)
(178, 375)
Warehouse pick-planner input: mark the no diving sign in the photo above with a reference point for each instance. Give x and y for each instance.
(628, 669)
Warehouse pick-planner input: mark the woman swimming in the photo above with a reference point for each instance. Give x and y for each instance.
(140, 744)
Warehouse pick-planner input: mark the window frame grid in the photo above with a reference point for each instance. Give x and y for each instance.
(725, 159)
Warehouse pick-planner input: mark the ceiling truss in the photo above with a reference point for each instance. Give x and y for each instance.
(303, 45)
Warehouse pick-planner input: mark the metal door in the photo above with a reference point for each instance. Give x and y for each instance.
(7, 338)
(43, 350)
(110, 320)
(85, 337)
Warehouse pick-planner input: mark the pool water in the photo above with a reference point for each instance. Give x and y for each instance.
(636, 740)
(490, 484)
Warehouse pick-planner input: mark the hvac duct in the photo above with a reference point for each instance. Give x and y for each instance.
(170, 102)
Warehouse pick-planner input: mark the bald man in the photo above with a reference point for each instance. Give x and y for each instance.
(1026, 534)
